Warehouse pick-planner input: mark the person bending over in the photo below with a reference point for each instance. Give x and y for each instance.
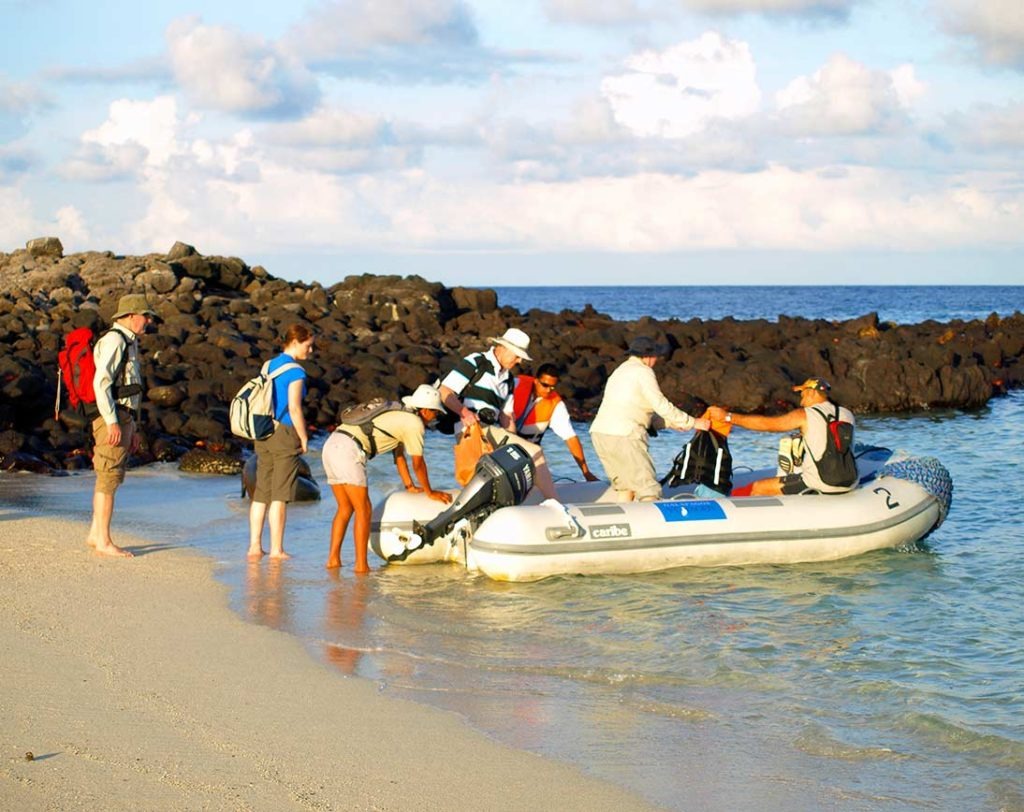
(481, 383)
(345, 455)
(535, 407)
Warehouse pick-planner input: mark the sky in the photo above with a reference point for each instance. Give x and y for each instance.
(541, 142)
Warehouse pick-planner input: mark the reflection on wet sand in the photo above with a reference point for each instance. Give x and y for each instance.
(263, 599)
(344, 612)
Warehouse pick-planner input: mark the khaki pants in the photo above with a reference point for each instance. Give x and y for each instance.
(628, 464)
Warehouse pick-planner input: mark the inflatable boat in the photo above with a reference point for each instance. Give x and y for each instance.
(493, 528)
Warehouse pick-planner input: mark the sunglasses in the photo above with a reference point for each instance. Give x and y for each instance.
(547, 385)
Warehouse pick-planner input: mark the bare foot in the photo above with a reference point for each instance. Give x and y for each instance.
(280, 555)
(333, 563)
(360, 569)
(255, 553)
(113, 550)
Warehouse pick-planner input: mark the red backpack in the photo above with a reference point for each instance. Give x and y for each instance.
(77, 368)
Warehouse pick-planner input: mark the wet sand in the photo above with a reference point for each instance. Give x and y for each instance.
(134, 686)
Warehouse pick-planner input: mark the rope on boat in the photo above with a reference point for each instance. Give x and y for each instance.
(928, 473)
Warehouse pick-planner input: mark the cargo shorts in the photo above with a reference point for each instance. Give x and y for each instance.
(111, 461)
(277, 466)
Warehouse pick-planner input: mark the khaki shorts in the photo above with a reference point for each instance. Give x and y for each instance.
(277, 466)
(344, 461)
(497, 436)
(111, 461)
(628, 464)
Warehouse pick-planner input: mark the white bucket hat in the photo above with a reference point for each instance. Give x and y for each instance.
(515, 340)
(425, 397)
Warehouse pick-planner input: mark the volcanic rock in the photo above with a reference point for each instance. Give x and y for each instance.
(384, 335)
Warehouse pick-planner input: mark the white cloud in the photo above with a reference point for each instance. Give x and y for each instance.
(93, 163)
(676, 92)
(990, 128)
(17, 226)
(847, 98)
(152, 125)
(419, 42)
(353, 181)
(592, 122)
(327, 127)
(18, 101)
(776, 208)
(146, 69)
(72, 227)
(907, 87)
(346, 28)
(20, 98)
(136, 135)
(618, 12)
(597, 12)
(995, 27)
(815, 8)
(221, 69)
(340, 141)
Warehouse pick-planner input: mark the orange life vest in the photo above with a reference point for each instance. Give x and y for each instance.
(532, 415)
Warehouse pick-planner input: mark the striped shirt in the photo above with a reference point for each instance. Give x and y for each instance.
(492, 384)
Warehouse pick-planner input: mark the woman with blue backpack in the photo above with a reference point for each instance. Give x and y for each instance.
(277, 456)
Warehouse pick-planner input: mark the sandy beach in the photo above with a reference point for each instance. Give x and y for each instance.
(134, 686)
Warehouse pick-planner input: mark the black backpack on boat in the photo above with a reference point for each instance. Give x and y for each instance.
(704, 460)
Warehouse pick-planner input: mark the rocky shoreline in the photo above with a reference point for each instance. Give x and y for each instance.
(386, 334)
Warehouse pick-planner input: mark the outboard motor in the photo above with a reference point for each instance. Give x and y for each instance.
(502, 478)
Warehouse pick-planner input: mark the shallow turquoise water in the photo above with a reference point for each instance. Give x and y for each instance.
(886, 682)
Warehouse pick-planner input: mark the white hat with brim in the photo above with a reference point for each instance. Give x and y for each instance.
(516, 341)
(425, 397)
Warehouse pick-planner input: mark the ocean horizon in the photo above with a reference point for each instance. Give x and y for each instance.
(902, 304)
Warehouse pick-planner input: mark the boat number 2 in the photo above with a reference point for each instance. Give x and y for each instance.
(889, 501)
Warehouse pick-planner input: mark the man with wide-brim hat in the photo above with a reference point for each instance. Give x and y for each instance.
(133, 304)
(631, 400)
(118, 388)
(394, 429)
(827, 430)
(515, 341)
(476, 390)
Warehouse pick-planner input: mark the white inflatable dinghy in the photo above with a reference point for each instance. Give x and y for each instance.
(491, 528)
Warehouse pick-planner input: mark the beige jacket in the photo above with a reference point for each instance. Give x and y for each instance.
(631, 398)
